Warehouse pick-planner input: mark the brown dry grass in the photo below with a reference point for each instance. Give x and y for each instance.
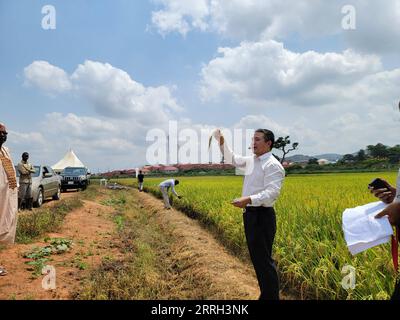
(166, 256)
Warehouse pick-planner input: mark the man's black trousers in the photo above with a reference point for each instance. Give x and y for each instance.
(260, 229)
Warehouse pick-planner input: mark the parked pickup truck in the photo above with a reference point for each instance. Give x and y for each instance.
(75, 178)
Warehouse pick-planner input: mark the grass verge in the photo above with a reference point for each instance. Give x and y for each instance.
(151, 268)
(33, 224)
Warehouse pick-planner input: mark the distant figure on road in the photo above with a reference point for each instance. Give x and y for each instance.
(164, 188)
(25, 170)
(8, 195)
(140, 178)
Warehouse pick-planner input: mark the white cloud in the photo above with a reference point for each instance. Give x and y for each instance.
(245, 19)
(181, 16)
(266, 72)
(377, 23)
(262, 122)
(125, 111)
(73, 125)
(33, 138)
(378, 27)
(111, 91)
(98, 142)
(341, 132)
(47, 77)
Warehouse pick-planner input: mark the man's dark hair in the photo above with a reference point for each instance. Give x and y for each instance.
(268, 136)
(140, 171)
(25, 154)
(176, 182)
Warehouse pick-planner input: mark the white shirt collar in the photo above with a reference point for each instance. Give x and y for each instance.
(264, 156)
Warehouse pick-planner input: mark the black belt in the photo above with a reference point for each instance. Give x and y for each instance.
(257, 208)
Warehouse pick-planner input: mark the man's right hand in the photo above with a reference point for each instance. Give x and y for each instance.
(383, 194)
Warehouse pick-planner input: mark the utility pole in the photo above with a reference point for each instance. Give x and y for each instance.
(168, 157)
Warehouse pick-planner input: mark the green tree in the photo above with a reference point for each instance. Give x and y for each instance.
(394, 154)
(378, 151)
(281, 144)
(313, 161)
(348, 158)
(361, 155)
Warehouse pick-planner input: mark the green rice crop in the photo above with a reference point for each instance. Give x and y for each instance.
(309, 246)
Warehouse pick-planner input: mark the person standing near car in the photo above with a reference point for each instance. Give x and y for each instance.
(25, 170)
(8, 195)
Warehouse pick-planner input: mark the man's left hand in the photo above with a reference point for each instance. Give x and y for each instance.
(393, 213)
(241, 202)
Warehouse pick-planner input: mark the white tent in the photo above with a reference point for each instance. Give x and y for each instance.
(70, 160)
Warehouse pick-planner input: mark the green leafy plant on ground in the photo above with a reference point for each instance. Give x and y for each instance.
(39, 255)
(115, 201)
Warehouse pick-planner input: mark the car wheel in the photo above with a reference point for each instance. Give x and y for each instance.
(57, 196)
(40, 199)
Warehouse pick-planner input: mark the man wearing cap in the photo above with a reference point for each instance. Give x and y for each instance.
(8, 195)
(25, 170)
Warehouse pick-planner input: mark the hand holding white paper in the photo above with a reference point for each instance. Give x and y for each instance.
(362, 231)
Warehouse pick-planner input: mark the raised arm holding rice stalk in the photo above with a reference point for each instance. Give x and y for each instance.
(263, 180)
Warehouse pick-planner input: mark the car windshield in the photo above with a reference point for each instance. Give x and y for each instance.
(37, 171)
(36, 174)
(74, 171)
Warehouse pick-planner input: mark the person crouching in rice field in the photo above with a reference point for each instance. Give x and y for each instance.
(8, 195)
(164, 188)
(263, 180)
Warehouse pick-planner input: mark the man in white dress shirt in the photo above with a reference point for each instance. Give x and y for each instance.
(263, 180)
(164, 187)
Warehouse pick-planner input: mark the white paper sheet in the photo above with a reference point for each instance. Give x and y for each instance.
(362, 231)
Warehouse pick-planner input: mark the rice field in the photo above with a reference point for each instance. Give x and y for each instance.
(309, 246)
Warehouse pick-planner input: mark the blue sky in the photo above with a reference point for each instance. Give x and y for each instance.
(113, 70)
